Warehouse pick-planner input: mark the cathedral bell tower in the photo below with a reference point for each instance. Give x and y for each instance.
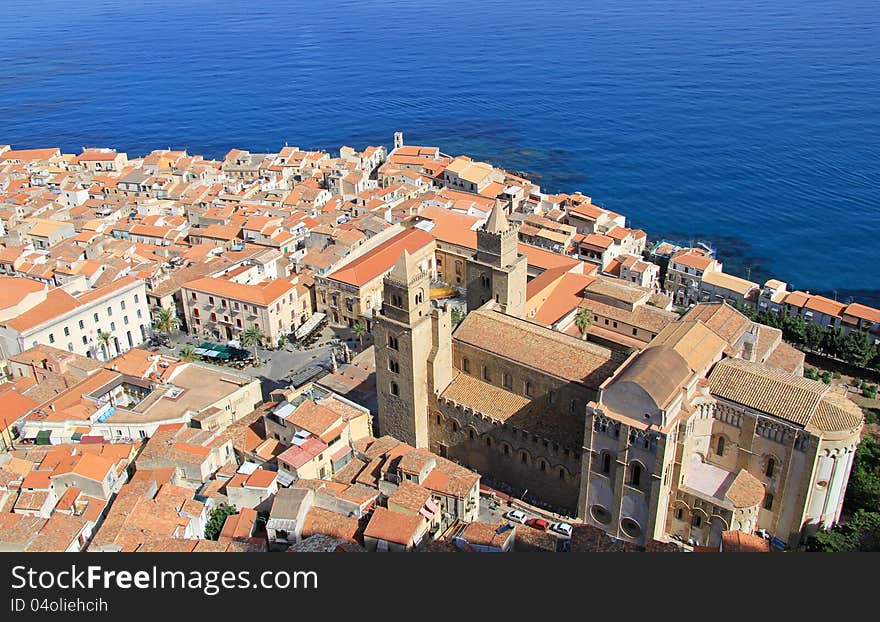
(403, 341)
(497, 271)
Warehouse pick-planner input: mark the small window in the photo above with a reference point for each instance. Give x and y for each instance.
(488, 441)
(471, 434)
(392, 342)
(395, 390)
(82, 325)
(438, 419)
(697, 521)
(122, 305)
(543, 465)
(771, 466)
(507, 381)
(66, 331)
(486, 375)
(528, 389)
(635, 475)
(606, 463)
(720, 449)
(393, 366)
(136, 299)
(679, 514)
(768, 501)
(109, 311)
(525, 457)
(506, 450)
(51, 338)
(466, 365)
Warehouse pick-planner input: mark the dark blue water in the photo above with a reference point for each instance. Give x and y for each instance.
(754, 125)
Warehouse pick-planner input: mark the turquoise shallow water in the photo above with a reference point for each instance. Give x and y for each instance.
(753, 125)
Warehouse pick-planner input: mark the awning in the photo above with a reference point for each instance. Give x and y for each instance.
(44, 437)
(309, 325)
(427, 513)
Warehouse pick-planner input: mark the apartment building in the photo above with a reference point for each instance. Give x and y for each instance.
(100, 323)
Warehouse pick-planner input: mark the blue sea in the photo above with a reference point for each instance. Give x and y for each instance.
(752, 125)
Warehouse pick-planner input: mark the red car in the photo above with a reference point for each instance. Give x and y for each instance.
(538, 523)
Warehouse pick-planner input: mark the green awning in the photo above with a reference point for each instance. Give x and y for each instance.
(75, 436)
(43, 437)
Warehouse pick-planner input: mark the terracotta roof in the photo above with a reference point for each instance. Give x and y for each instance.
(863, 312)
(659, 370)
(393, 526)
(263, 294)
(381, 259)
(319, 521)
(804, 402)
(746, 490)
(739, 542)
(538, 347)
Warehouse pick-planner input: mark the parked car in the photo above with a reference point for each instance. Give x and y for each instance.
(561, 528)
(538, 523)
(516, 516)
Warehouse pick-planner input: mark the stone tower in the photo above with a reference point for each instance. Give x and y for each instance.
(413, 353)
(398, 140)
(497, 271)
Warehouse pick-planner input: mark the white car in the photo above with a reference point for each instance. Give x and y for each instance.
(561, 528)
(516, 516)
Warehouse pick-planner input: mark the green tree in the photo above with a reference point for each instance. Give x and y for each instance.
(252, 337)
(863, 488)
(795, 328)
(166, 321)
(104, 341)
(583, 320)
(859, 533)
(360, 329)
(857, 348)
(813, 335)
(833, 341)
(457, 316)
(188, 353)
(217, 520)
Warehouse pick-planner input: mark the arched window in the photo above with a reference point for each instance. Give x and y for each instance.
(606, 463)
(720, 448)
(543, 465)
(525, 457)
(771, 466)
(454, 426)
(488, 441)
(561, 473)
(635, 474)
(438, 419)
(768, 501)
(395, 390)
(506, 450)
(471, 434)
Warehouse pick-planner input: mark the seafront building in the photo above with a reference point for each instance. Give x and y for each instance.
(519, 340)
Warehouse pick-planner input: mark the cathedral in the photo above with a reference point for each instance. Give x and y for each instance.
(708, 428)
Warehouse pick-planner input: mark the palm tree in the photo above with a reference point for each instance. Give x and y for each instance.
(252, 336)
(104, 340)
(166, 321)
(188, 353)
(360, 329)
(583, 320)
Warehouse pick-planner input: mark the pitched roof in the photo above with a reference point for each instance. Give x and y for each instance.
(538, 347)
(801, 401)
(263, 294)
(380, 260)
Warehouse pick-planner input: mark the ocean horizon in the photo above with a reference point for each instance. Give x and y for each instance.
(753, 127)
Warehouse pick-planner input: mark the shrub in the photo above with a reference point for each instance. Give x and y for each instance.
(870, 391)
(836, 375)
(826, 377)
